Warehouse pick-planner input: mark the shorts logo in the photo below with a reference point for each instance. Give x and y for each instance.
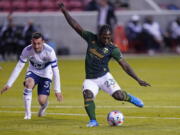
(28, 73)
(46, 84)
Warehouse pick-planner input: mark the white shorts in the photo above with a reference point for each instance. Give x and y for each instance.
(106, 83)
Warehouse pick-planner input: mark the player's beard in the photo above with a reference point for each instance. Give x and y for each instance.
(39, 50)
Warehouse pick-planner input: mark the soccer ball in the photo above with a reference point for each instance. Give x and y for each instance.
(115, 118)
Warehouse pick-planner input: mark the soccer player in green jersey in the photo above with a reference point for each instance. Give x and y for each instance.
(100, 50)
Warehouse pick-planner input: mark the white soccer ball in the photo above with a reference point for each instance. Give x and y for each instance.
(115, 118)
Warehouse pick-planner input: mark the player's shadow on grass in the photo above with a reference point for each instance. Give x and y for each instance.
(58, 121)
(124, 126)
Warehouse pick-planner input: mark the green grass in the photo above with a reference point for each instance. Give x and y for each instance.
(160, 116)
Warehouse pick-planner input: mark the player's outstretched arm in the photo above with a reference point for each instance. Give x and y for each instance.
(72, 22)
(13, 77)
(126, 67)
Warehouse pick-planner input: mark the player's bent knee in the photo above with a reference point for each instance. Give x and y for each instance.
(118, 95)
(29, 83)
(42, 99)
(88, 95)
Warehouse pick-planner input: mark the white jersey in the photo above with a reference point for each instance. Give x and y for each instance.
(40, 63)
(43, 64)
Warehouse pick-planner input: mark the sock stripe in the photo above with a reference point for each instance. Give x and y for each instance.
(27, 91)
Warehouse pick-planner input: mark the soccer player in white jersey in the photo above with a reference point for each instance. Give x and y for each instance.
(42, 67)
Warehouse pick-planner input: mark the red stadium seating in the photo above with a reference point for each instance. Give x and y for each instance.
(75, 5)
(19, 5)
(38, 5)
(66, 3)
(5, 6)
(48, 5)
(33, 5)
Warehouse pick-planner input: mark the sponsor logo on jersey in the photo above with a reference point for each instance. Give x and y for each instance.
(94, 51)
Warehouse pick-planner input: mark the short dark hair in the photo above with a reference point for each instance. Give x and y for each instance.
(104, 28)
(37, 35)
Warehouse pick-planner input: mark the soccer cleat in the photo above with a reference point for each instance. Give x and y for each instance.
(136, 101)
(92, 123)
(42, 110)
(27, 117)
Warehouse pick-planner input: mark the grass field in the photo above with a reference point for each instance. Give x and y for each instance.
(160, 116)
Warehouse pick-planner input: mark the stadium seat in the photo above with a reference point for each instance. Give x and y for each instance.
(5, 6)
(19, 5)
(48, 5)
(33, 5)
(75, 5)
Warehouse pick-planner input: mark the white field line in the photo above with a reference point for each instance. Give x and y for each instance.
(102, 107)
(77, 114)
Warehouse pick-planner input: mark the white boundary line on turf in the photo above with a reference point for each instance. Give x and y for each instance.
(77, 114)
(76, 107)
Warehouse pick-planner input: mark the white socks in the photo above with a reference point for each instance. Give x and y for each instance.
(43, 109)
(27, 102)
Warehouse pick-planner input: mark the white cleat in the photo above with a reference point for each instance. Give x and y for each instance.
(42, 110)
(27, 117)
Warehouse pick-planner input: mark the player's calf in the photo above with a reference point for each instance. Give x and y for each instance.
(124, 96)
(120, 95)
(89, 106)
(43, 109)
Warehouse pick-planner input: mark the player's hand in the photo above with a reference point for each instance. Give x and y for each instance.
(59, 97)
(60, 4)
(6, 87)
(143, 83)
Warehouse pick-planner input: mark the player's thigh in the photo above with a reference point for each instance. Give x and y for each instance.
(109, 84)
(31, 80)
(90, 85)
(44, 86)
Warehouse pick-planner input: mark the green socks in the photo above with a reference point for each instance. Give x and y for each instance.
(90, 109)
(126, 96)
(90, 106)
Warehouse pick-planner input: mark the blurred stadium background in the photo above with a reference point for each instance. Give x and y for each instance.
(45, 15)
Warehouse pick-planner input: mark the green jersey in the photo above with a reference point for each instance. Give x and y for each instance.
(98, 56)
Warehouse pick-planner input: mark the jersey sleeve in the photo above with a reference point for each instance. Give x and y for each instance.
(24, 56)
(17, 70)
(55, 69)
(116, 54)
(87, 35)
(53, 59)
(57, 81)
